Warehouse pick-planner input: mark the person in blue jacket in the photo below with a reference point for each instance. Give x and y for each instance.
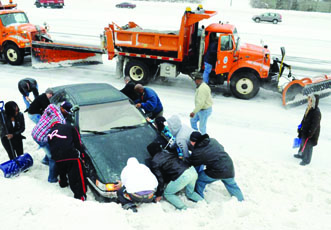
(149, 101)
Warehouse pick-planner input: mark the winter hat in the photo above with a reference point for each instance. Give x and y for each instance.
(159, 121)
(197, 76)
(154, 148)
(66, 105)
(10, 108)
(195, 136)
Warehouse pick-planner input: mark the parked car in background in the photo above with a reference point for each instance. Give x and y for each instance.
(126, 5)
(112, 130)
(268, 17)
(50, 3)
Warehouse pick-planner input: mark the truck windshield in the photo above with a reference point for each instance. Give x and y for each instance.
(13, 18)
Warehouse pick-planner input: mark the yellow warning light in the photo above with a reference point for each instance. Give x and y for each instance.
(188, 9)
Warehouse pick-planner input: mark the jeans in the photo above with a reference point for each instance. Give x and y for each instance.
(229, 183)
(206, 72)
(53, 173)
(34, 117)
(202, 117)
(186, 180)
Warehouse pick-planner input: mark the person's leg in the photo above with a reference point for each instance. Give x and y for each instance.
(61, 167)
(124, 200)
(17, 143)
(206, 72)
(189, 190)
(6, 145)
(175, 186)
(202, 181)
(77, 179)
(233, 189)
(204, 114)
(52, 175)
(27, 104)
(194, 121)
(307, 153)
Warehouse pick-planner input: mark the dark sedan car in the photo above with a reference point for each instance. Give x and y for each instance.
(126, 5)
(111, 129)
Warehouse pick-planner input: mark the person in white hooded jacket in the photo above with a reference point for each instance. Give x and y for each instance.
(137, 185)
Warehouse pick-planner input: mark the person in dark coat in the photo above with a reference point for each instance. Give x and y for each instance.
(173, 175)
(210, 57)
(309, 130)
(149, 101)
(26, 86)
(219, 166)
(66, 151)
(128, 89)
(38, 106)
(15, 126)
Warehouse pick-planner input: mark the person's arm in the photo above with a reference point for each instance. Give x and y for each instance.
(150, 104)
(195, 159)
(158, 174)
(20, 117)
(76, 139)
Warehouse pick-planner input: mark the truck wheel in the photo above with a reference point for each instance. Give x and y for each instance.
(244, 85)
(13, 55)
(275, 21)
(138, 71)
(257, 20)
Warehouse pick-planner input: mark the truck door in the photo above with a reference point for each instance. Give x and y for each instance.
(224, 54)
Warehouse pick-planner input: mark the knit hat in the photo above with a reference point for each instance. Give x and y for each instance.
(195, 136)
(66, 105)
(154, 148)
(159, 121)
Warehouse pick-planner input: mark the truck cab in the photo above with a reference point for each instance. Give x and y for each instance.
(17, 34)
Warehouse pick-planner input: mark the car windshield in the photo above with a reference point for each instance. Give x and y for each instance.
(13, 18)
(103, 117)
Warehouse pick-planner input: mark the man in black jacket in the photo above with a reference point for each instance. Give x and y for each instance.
(309, 130)
(128, 89)
(64, 143)
(219, 166)
(26, 86)
(38, 106)
(168, 168)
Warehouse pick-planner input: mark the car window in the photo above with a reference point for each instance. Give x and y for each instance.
(103, 117)
(226, 43)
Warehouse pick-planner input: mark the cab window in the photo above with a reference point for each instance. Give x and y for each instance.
(226, 43)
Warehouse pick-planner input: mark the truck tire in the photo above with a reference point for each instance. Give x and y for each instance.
(13, 55)
(244, 85)
(137, 71)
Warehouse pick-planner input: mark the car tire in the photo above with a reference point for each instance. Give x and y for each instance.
(13, 55)
(275, 21)
(244, 85)
(137, 71)
(38, 5)
(257, 20)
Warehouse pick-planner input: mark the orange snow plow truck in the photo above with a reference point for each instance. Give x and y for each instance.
(145, 54)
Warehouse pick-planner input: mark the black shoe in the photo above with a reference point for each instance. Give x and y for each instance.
(298, 156)
(63, 183)
(303, 163)
(131, 206)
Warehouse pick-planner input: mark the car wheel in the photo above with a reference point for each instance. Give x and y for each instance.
(244, 85)
(13, 55)
(257, 20)
(275, 21)
(137, 71)
(38, 5)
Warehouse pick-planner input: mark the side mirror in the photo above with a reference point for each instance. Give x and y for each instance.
(46, 26)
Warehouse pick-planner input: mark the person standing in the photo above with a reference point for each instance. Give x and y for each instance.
(149, 101)
(137, 185)
(15, 126)
(210, 57)
(66, 151)
(26, 86)
(309, 130)
(128, 89)
(203, 105)
(219, 166)
(38, 106)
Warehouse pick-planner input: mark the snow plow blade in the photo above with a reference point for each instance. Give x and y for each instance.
(49, 55)
(296, 92)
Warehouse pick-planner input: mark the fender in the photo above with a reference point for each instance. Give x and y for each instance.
(252, 65)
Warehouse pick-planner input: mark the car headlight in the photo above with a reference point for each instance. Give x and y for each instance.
(105, 187)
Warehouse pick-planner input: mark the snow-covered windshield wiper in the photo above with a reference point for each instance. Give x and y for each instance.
(126, 127)
(94, 132)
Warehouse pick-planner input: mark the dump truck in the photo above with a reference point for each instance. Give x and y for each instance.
(145, 54)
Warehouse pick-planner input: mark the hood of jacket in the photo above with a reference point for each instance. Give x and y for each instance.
(174, 124)
(202, 141)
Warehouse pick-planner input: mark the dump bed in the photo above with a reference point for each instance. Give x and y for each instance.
(137, 41)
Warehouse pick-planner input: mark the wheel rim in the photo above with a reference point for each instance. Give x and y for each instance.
(136, 73)
(12, 55)
(244, 86)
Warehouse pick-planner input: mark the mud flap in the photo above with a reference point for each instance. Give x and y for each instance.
(49, 55)
(16, 166)
(296, 92)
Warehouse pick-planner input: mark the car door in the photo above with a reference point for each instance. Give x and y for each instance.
(225, 52)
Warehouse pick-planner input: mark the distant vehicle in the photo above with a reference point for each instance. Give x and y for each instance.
(268, 17)
(126, 5)
(50, 3)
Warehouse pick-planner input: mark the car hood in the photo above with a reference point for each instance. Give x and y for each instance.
(110, 152)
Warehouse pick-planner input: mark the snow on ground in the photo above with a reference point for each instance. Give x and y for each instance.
(258, 134)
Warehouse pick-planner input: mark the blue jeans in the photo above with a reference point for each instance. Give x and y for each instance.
(206, 72)
(34, 117)
(52, 174)
(229, 183)
(186, 180)
(202, 117)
